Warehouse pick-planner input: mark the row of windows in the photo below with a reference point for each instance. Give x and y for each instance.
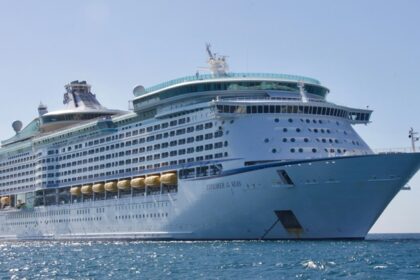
(289, 109)
(17, 159)
(198, 138)
(142, 216)
(130, 143)
(140, 131)
(201, 171)
(17, 175)
(140, 168)
(314, 150)
(55, 221)
(18, 167)
(157, 156)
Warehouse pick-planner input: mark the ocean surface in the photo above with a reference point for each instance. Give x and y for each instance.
(378, 257)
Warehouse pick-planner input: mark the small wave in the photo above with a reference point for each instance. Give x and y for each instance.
(380, 267)
(309, 264)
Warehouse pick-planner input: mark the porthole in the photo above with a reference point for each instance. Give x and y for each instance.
(328, 131)
(308, 121)
(285, 140)
(339, 151)
(285, 129)
(314, 121)
(298, 129)
(317, 139)
(320, 121)
(290, 120)
(274, 151)
(315, 130)
(292, 139)
(330, 140)
(306, 140)
(300, 150)
(337, 123)
(322, 130)
(313, 150)
(292, 150)
(336, 141)
(332, 150)
(232, 121)
(266, 140)
(323, 140)
(276, 120)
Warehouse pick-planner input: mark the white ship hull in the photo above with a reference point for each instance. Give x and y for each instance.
(328, 198)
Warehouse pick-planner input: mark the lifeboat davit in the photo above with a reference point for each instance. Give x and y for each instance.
(138, 183)
(124, 184)
(86, 189)
(5, 200)
(169, 179)
(152, 181)
(111, 186)
(98, 188)
(75, 191)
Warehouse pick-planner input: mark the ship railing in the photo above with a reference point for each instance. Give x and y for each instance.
(394, 150)
(231, 75)
(246, 98)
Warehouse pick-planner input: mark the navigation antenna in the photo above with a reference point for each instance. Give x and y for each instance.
(412, 134)
(217, 63)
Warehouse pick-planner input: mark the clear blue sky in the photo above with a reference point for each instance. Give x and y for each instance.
(366, 52)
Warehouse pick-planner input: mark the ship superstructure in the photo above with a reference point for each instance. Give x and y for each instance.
(217, 156)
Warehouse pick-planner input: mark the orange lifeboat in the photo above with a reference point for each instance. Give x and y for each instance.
(5, 200)
(86, 189)
(111, 186)
(138, 183)
(152, 181)
(98, 188)
(75, 191)
(169, 179)
(124, 184)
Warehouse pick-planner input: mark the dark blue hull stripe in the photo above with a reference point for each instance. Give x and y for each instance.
(283, 163)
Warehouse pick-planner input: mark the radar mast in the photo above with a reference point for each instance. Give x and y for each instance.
(217, 63)
(414, 138)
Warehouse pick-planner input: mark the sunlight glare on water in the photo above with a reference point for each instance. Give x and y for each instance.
(378, 258)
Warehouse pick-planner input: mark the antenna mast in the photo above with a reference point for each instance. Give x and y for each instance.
(412, 134)
(217, 63)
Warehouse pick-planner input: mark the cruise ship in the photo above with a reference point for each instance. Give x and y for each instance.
(219, 156)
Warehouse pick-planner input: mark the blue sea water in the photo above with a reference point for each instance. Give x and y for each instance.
(378, 257)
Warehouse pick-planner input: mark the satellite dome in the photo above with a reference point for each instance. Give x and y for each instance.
(17, 126)
(139, 90)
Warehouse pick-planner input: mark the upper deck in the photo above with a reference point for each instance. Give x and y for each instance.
(232, 82)
(229, 76)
